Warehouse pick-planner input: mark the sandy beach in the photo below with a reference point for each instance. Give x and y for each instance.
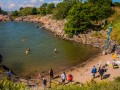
(83, 73)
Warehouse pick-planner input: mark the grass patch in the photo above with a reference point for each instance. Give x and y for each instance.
(104, 85)
(97, 34)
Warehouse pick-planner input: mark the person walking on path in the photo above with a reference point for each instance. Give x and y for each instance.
(101, 72)
(63, 77)
(94, 70)
(51, 74)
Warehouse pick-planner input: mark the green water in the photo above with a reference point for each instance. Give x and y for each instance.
(16, 37)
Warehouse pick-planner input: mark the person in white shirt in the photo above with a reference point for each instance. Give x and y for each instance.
(63, 77)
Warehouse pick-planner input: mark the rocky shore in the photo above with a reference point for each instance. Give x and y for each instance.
(81, 74)
(57, 27)
(5, 18)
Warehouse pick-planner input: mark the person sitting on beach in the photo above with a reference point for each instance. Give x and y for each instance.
(114, 56)
(94, 70)
(27, 51)
(63, 77)
(114, 64)
(70, 78)
(51, 73)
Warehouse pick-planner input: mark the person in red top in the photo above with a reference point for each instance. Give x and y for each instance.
(70, 78)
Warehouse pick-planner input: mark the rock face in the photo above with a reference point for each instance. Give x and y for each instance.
(5, 18)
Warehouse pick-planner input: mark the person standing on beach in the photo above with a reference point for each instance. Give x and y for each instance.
(63, 77)
(101, 72)
(94, 70)
(70, 78)
(51, 73)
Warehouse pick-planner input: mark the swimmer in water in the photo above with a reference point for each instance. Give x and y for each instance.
(55, 50)
(27, 51)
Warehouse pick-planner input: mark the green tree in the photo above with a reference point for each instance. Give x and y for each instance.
(44, 5)
(42, 11)
(117, 4)
(78, 19)
(0, 10)
(21, 8)
(50, 8)
(15, 13)
(62, 9)
(25, 11)
(34, 11)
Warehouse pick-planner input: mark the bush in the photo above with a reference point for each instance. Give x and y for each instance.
(9, 85)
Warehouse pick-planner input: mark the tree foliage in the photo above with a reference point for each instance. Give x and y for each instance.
(78, 20)
(50, 8)
(117, 4)
(25, 11)
(82, 15)
(44, 5)
(15, 13)
(34, 11)
(21, 8)
(2, 11)
(62, 9)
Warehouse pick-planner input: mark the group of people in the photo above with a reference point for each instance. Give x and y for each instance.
(101, 71)
(69, 78)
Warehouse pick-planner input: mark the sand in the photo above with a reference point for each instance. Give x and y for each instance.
(83, 74)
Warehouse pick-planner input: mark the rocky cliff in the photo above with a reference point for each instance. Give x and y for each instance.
(5, 18)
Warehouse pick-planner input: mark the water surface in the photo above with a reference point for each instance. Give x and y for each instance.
(16, 37)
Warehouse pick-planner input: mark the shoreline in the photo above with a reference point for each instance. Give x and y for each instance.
(81, 72)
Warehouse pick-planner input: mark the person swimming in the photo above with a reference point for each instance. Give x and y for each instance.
(27, 51)
(55, 50)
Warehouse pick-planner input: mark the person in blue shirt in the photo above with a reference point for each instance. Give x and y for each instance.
(94, 70)
(9, 74)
